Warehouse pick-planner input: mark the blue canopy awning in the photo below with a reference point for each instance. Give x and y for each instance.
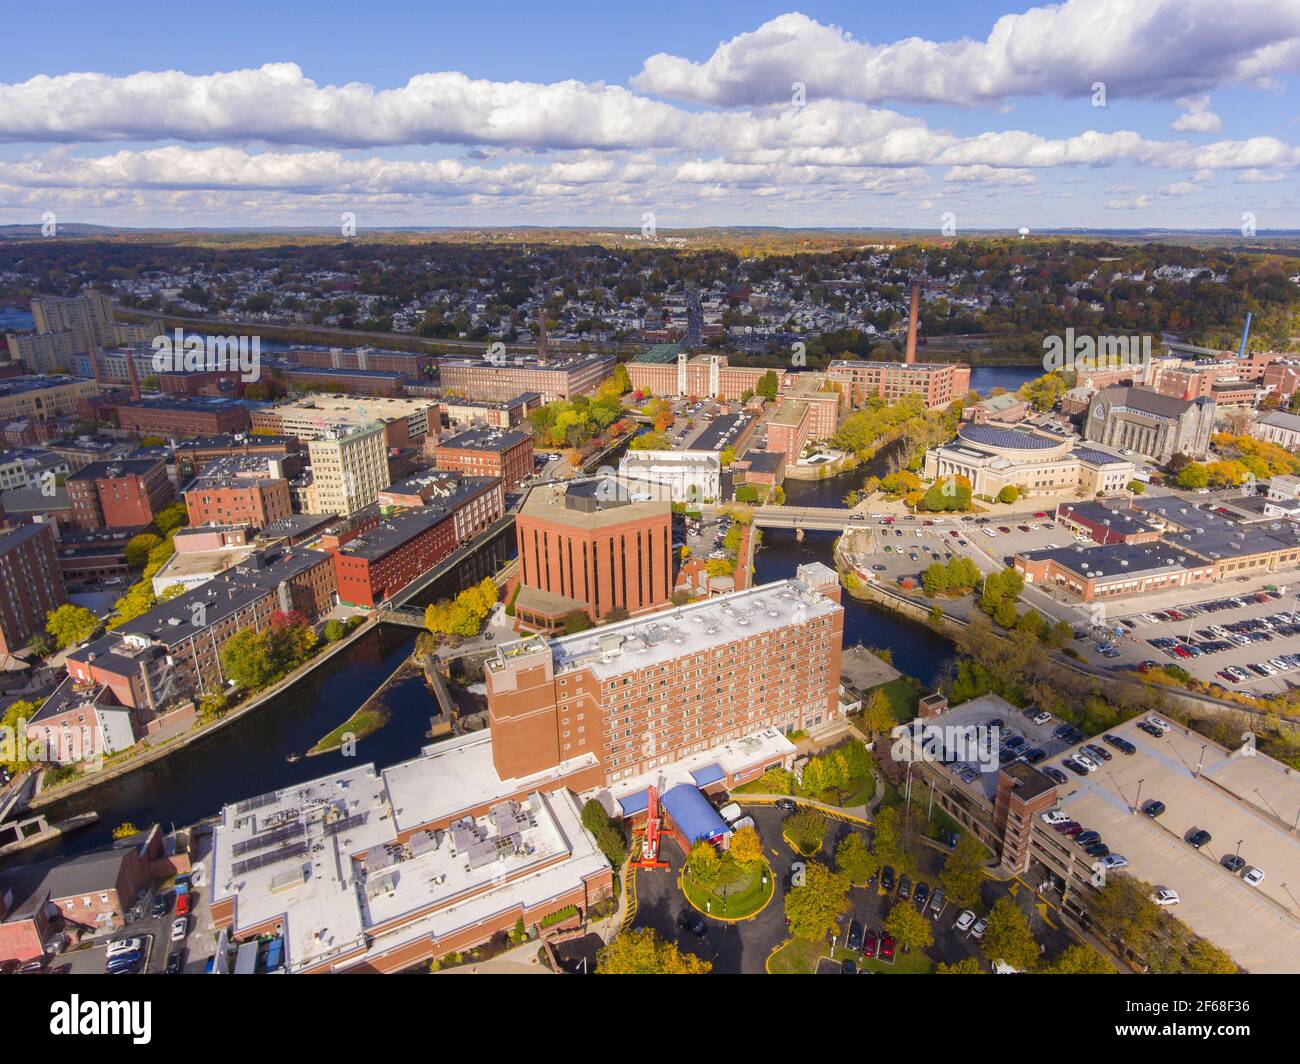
(708, 774)
(634, 803)
(693, 814)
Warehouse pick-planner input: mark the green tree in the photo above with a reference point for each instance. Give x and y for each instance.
(854, 859)
(334, 631)
(746, 848)
(963, 871)
(1008, 938)
(1192, 477)
(878, 714)
(1205, 958)
(13, 745)
(910, 927)
(768, 385)
(69, 625)
(246, 659)
(704, 864)
(805, 829)
(644, 952)
(815, 905)
(965, 966)
(138, 549)
(171, 517)
(1009, 494)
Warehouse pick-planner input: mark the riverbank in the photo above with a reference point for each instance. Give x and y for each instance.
(44, 798)
(367, 719)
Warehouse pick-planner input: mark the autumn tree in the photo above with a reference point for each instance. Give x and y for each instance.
(1079, 960)
(854, 859)
(909, 927)
(814, 907)
(746, 847)
(69, 625)
(644, 952)
(1008, 938)
(963, 871)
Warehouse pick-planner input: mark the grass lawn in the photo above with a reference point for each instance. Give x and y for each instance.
(800, 957)
(914, 963)
(861, 794)
(744, 890)
(360, 724)
(903, 699)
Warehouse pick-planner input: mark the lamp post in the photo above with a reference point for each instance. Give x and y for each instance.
(1138, 803)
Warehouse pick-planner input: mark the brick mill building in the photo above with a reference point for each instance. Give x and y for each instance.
(30, 583)
(587, 547)
(488, 453)
(119, 493)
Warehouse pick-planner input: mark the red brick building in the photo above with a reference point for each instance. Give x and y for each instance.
(638, 696)
(234, 500)
(488, 453)
(388, 554)
(589, 548)
(30, 583)
(182, 417)
(114, 494)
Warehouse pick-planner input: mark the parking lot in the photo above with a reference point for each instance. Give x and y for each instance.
(703, 538)
(1257, 649)
(1247, 806)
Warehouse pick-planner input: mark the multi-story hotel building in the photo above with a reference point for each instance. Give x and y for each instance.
(641, 694)
(588, 547)
(556, 378)
(349, 466)
(937, 383)
(488, 453)
(88, 317)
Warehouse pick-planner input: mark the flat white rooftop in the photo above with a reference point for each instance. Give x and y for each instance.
(614, 649)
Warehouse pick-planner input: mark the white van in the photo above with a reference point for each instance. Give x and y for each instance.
(743, 822)
(731, 812)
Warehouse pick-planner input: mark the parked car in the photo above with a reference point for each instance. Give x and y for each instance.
(1055, 774)
(887, 879)
(922, 895)
(869, 943)
(1197, 837)
(1055, 816)
(886, 947)
(1150, 730)
(1254, 876)
(161, 904)
(977, 931)
(787, 805)
(689, 920)
(1114, 860)
(848, 968)
(1119, 743)
(174, 961)
(1165, 896)
(180, 928)
(964, 921)
(125, 945)
(1099, 849)
(1087, 838)
(1153, 807)
(853, 943)
(1232, 862)
(904, 887)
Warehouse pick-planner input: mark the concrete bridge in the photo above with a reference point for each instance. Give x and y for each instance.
(804, 518)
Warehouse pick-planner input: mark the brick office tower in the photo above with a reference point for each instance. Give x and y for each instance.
(119, 494)
(645, 693)
(590, 548)
(1023, 792)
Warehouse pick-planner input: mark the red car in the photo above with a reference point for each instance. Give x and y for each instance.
(1182, 652)
(886, 947)
(869, 943)
(1004, 529)
(954, 533)
(183, 903)
(1040, 514)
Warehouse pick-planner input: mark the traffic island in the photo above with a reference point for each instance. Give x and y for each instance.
(740, 893)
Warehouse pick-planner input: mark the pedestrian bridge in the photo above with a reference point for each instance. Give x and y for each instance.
(823, 518)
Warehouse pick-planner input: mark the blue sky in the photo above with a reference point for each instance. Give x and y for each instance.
(581, 113)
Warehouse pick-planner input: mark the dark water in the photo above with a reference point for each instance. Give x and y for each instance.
(984, 379)
(248, 757)
(15, 319)
(917, 650)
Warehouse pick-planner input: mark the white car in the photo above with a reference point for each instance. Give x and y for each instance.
(1056, 816)
(1113, 860)
(1161, 723)
(977, 932)
(1042, 717)
(1086, 761)
(964, 921)
(1252, 875)
(1165, 896)
(180, 928)
(124, 945)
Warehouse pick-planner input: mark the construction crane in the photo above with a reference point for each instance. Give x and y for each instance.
(649, 857)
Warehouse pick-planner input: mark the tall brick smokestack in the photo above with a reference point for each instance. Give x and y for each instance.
(94, 365)
(134, 374)
(541, 334)
(913, 313)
